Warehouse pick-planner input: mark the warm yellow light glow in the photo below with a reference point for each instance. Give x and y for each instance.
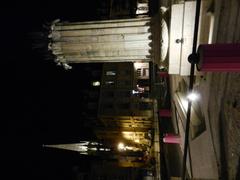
(128, 135)
(121, 147)
(129, 147)
(133, 136)
(137, 140)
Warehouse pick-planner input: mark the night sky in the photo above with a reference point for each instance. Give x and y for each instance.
(40, 101)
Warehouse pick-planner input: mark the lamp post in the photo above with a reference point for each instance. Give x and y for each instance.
(193, 59)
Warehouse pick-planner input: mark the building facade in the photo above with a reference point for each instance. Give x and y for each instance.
(125, 109)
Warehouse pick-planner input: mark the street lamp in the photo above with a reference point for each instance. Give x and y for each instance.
(95, 83)
(121, 147)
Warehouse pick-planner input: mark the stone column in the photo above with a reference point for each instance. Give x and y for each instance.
(124, 40)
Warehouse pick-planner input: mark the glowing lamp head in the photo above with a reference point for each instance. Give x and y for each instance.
(95, 83)
(121, 147)
(192, 96)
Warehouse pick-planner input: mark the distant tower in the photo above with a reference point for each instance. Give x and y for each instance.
(83, 147)
(122, 40)
(124, 156)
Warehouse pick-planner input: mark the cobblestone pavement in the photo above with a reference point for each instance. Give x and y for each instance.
(224, 96)
(224, 114)
(231, 118)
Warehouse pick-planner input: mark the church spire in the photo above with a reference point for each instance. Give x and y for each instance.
(83, 147)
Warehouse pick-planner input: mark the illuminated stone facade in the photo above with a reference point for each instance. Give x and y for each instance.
(123, 40)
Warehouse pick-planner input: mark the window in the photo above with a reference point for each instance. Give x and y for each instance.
(95, 83)
(146, 72)
(111, 73)
(109, 82)
(143, 72)
(139, 72)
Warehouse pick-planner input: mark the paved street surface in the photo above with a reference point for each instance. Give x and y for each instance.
(224, 95)
(220, 101)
